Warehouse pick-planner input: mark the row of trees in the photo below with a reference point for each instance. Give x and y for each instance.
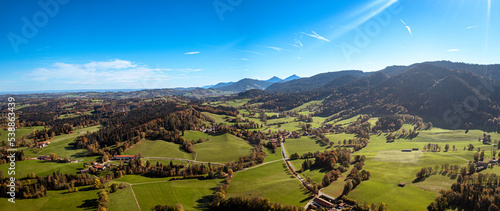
(472, 192)
(36, 186)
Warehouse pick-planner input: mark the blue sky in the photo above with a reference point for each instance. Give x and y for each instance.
(70, 44)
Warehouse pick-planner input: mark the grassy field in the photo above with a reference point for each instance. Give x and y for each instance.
(222, 148)
(19, 132)
(303, 145)
(209, 151)
(216, 117)
(270, 156)
(389, 166)
(44, 168)
(71, 115)
(158, 148)
(272, 181)
(63, 145)
(138, 179)
(231, 103)
(398, 156)
(192, 193)
(55, 200)
(122, 200)
(315, 174)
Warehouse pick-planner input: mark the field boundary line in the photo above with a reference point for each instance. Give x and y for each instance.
(456, 157)
(258, 165)
(133, 193)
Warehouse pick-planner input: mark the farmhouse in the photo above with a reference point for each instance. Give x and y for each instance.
(43, 157)
(124, 157)
(42, 144)
(322, 203)
(494, 162)
(415, 149)
(99, 167)
(401, 184)
(406, 150)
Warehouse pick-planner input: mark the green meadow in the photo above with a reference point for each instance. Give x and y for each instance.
(209, 151)
(272, 181)
(62, 145)
(222, 148)
(191, 193)
(56, 200)
(19, 132)
(158, 148)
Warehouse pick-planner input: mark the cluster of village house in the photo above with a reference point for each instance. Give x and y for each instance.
(320, 202)
(102, 166)
(96, 165)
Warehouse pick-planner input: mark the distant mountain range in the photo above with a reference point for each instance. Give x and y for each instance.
(446, 93)
(248, 84)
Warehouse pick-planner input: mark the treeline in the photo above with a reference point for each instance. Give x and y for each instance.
(251, 204)
(395, 122)
(124, 132)
(136, 166)
(33, 186)
(472, 192)
(4, 156)
(356, 176)
(177, 207)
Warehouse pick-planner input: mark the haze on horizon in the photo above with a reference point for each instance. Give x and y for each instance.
(69, 45)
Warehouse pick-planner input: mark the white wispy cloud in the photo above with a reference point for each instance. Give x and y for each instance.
(191, 53)
(406, 26)
(115, 64)
(315, 35)
(298, 43)
(471, 27)
(254, 52)
(187, 70)
(453, 50)
(244, 59)
(276, 48)
(100, 73)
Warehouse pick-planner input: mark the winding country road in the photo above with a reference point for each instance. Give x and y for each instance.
(296, 175)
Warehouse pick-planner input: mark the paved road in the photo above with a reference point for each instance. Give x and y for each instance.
(304, 182)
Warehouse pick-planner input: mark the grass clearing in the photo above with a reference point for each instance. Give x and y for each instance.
(216, 117)
(158, 148)
(303, 145)
(231, 147)
(315, 174)
(19, 132)
(209, 151)
(270, 156)
(44, 168)
(398, 156)
(190, 193)
(272, 181)
(62, 145)
(122, 199)
(56, 200)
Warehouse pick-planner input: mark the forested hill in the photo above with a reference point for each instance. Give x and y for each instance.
(447, 97)
(316, 81)
(245, 84)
